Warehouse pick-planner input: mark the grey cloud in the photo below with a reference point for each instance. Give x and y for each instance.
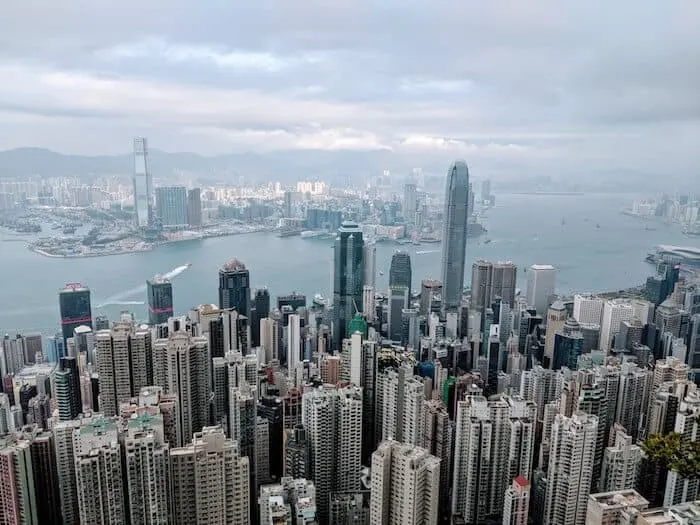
(547, 84)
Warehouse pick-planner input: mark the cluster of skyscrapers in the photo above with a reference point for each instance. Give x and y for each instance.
(400, 406)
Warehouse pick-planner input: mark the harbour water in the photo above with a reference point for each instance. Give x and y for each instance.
(593, 246)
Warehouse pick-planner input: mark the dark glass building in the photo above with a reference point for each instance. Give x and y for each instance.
(234, 287)
(454, 234)
(348, 278)
(160, 300)
(660, 286)
(74, 303)
(259, 309)
(67, 384)
(568, 346)
(400, 270)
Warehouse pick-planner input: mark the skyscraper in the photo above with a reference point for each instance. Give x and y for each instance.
(369, 260)
(259, 309)
(18, 499)
(569, 475)
(171, 206)
(194, 208)
(588, 308)
(143, 204)
(540, 286)
(398, 301)
(410, 204)
(67, 385)
(333, 420)
(348, 278)
(614, 312)
(400, 270)
(210, 481)
(98, 464)
(491, 280)
(405, 485)
(454, 236)
(234, 286)
(124, 358)
(159, 291)
(517, 502)
(74, 303)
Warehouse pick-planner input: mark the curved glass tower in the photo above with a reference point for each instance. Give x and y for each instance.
(454, 234)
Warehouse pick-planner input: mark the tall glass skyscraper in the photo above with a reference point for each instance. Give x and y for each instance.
(400, 270)
(348, 278)
(143, 202)
(454, 234)
(234, 287)
(74, 303)
(160, 299)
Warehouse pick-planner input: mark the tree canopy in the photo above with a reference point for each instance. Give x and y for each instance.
(675, 453)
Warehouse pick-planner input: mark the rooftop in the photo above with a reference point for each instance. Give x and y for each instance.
(233, 265)
(620, 498)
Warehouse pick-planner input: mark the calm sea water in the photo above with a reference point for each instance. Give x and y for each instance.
(525, 229)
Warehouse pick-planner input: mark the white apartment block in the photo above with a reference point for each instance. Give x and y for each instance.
(210, 481)
(569, 476)
(405, 485)
(614, 312)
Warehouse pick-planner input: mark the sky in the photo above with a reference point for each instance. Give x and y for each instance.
(547, 86)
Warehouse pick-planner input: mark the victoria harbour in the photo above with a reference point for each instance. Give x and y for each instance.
(593, 246)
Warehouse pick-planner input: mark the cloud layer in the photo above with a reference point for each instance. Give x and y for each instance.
(536, 87)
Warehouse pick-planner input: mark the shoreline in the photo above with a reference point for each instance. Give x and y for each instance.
(150, 247)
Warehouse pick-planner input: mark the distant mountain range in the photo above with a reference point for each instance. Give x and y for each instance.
(279, 165)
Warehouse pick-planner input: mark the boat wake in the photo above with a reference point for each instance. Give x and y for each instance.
(122, 297)
(421, 252)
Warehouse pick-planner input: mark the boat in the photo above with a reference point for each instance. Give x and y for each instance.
(288, 233)
(381, 272)
(188, 265)
(597, 226)
(487, 241)
(563, 222)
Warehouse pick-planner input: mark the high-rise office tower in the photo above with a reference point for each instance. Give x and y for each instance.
(400, 269)
(569, 475)
(454, 234)
(348, 278)
(97, 451)
(588, 308)
(494, 443)
(194, 208)
(210, 481)
(147, 467)
(234, 287)
(693, 343)
(143, 200)
(491, 280)
(269, 338)
(18, 499)
(517, 502)
(556, 318)
(430, 289)
(369, 259)
(568, 344)
(333, 420)
(159, 291)
(124, 357)
(74, 303)
(410, 204)
(67, 385)
(63, 433)
(405, 485)
(184, 372)
(171, 206)
(614, 312)
(398, 301)
(622, 463)
(294, 357)
(541, 280)
(259, 309)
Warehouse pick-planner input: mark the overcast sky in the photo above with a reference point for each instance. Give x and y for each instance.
(561, 85)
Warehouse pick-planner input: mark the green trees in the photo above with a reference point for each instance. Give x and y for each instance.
(675, 453)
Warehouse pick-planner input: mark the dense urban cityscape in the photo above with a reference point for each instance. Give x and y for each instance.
(430, 401)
